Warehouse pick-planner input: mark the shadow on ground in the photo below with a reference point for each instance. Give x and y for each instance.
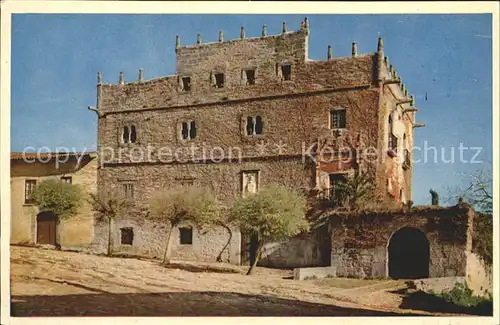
(419, 300)
(177, 304)
(200, 268)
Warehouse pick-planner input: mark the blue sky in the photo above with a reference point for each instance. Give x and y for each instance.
(55, 59)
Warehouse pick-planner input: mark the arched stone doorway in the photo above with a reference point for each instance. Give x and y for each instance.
(46, 228)
(408, 254)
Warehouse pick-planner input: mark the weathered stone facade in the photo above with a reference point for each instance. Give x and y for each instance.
(74, 233)
(361, 244)
(213, 93)
(311, 249)
(150, 239)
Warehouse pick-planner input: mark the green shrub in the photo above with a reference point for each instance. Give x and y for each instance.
(61, 198)
(274, 213)
(462, 295)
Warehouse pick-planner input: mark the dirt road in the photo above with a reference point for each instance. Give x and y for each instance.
(55, 283)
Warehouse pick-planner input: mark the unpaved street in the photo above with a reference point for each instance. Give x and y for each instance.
(55, 283)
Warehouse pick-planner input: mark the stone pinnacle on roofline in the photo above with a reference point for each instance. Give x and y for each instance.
(141, 75)
(380, 45)
(354, 49)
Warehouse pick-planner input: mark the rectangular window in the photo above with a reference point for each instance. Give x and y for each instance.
(67, 179)
(407, 160)
(250, 75)
(186, 236)
(127, 236)
(338, 119)
(188, 130)
(335, 182)
(186, 84)
(29, 185)
(254, 125)
(393, 142)
(129, 134)
(128, 190)
(219, 80)
(286, 71)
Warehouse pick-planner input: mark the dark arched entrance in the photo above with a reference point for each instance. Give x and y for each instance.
(408, 254)
(46, 228)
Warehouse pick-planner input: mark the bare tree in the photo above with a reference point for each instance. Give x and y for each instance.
(183, 204)
(477, 190)
(109, 206)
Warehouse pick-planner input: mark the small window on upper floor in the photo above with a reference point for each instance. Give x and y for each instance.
(393, 143)
(29, 186)
(402, 197)
(188, 130)
(254, 125)
(133, 134)
(250, 75)
(129, 134)
(67, 179)
(338, 119)
(186, 84)
(219, 80)
(128, 190)
(286, 71)
(125, 134)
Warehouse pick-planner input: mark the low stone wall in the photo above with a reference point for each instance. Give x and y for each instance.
(305, 250)
(436, 285)
(360, 243)
(150, 240)
(360, 263)
(314, 273)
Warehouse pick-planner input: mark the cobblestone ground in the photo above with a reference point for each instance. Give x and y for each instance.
(55, 283)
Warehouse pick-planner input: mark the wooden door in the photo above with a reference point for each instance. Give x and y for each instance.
(46, 228)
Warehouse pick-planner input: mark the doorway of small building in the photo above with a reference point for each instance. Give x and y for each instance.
(249, 245)
(408, 254)
(254, 243)
(46, 228)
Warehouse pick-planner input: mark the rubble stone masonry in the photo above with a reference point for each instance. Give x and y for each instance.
(294, 112)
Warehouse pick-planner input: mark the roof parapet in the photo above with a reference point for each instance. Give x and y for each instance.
(304, 27)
